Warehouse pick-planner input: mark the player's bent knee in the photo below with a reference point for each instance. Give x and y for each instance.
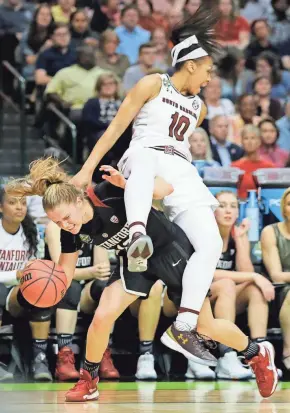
(96, 289)
(72, 297)
(103, 319)
(156, 290)
(35, 314)
(228, 287)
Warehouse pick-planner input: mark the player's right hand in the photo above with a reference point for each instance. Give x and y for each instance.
(82, 179)
(102, 270)
(115, 178)
(265, 286)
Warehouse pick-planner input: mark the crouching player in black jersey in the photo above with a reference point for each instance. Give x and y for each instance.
(100, 218)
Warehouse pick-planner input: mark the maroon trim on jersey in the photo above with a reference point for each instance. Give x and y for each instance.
(93, 197)
(137, 223)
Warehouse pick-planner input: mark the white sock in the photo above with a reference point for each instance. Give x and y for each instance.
(136, 228)
(186, 321)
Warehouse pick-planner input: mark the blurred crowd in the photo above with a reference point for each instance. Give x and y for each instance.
(83, 56)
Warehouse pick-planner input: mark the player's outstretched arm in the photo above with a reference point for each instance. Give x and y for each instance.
(68, 261)
(145, 90)
(161, 187)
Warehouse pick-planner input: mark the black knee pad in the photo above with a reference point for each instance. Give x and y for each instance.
(3, 295)
(72, 297)
(97, 288)
(34, 313)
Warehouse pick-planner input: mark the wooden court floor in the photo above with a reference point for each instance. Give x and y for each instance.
(142, 397)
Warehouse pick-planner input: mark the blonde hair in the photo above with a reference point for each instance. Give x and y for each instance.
(226, 193)
(108, 75)
(283, 201)
(47, 179)
(208, 154)
(252, 129)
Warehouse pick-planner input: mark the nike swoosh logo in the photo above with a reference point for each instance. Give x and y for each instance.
(174, 265)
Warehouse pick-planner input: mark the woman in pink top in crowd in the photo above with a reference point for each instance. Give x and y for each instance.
(270, 150)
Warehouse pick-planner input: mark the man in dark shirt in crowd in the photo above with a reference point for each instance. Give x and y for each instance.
(261, 31)
(57, 57)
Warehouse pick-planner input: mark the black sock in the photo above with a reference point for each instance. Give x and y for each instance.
(251, 350)
(146, 347)
(224, 349)
(64, 340)
(92, 368)
(39, 346)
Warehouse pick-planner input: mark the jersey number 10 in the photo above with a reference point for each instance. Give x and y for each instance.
(178, 126)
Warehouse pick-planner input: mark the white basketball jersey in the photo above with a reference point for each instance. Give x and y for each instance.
(168, 119)
(13, 254)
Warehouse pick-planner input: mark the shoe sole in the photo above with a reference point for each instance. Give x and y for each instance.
(7, 377)
(138, 253)
(271, 353)
(173, 345)
(148, 377)
(42, 377)
(89, 397)
(225, 377)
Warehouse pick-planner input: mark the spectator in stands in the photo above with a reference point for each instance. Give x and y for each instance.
(261, 42)
(18, 246)
(80, 30)
(191, 7)
(224, 152)
(147, 58)
(130, 34)
(15, 17)
(232, 30)
(254, 10)
(93, 264)
(162, 53)
(215, 104)
(279, 21)
(71, 87)
(36, 40)
(150, 19)
(201, 151)
(283, 125)
(234, 76)
(108, 58)
(174, 16)
(275, 243)
(62, 11)
(99, 111)
(266, 106)
(106, 15)
(270, 150)
(268, 64)
(246, 114)
(251, 141)
(55, 58)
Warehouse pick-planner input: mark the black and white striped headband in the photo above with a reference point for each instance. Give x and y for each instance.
(185, 44)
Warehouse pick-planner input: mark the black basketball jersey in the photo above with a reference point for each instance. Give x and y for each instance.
(85, 258)
(227, 260)
(109, 228)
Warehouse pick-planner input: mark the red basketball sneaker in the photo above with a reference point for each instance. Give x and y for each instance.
(263, 366)
(85, 389)
(107, 369)
(65, 365)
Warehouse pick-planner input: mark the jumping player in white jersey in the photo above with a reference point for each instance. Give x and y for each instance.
(166, 111)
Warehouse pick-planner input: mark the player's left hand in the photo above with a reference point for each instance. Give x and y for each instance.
(115, 178)
(243, 228)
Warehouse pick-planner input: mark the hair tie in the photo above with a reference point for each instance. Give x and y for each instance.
(53, 183)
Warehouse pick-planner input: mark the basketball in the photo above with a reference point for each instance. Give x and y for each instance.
(43, 283)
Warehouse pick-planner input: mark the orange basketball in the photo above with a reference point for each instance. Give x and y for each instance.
(43, 283)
